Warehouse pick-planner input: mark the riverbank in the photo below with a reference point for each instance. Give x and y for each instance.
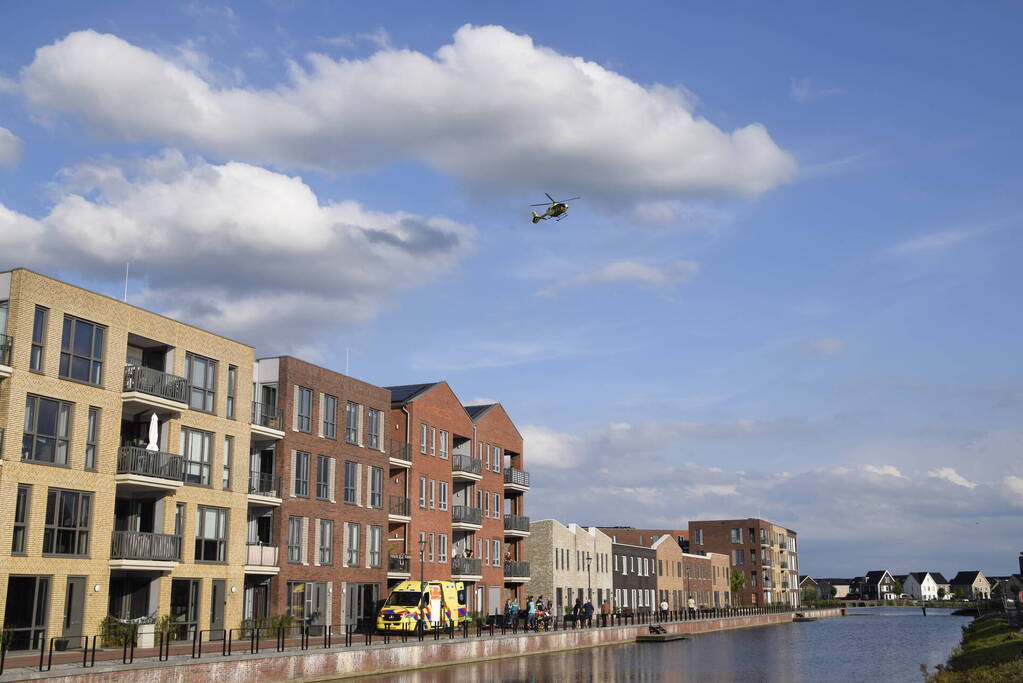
(990, 652)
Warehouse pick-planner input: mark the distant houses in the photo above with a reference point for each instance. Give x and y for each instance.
(881, 584)
(973, 585)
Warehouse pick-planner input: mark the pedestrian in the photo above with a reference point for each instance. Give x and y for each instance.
(588, 612)
(509, 612)
(605, 611)
(531, 613)
(577, 610)
(692, 607)
(664, 609)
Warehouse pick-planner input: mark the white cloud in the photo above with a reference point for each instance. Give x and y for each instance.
(825, 347)
(544, 119)
(480, 401)
(884, 470)
(7, 85)
(952, 477)
(10, 147)
(231, 246)
(712, 490)
(801, 90)
(936, 241)
(1014, 487)
(548, 448)
(657, 277)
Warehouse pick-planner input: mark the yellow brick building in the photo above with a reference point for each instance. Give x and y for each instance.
(102, 518)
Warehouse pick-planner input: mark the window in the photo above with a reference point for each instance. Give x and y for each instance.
(375, 428)
(351, 483)
(442, 502)
(423, 429)
(753, 579)
(294, 539)
(486, 503)
(433, 494)
(179, 519)
(20, 519)
(352, 544)
(67, 522)
(302, 474)
(495, 554)
(202, 382)
(46, 430)
(232, 386)
(736, 535)
(442, 548)
(211, 535)
(81, 350)
(326, 541)
(443, 444)
(698, 534)
(422, 492)
(429, 547)
(303, 409)
(375, 536)
(497, 506)
(225, 482)
(91, 437)
(329, 416)
(323, 477)
(197, 447)
(496, 458)
(352, 423)
(376, 487)
(738, 557)
(35, 361)
(433, 441)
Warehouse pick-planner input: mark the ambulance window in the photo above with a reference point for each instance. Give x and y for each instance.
(461, 597)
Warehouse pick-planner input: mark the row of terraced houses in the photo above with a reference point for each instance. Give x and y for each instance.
(151, 468)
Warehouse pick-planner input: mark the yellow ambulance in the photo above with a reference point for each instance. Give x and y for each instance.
(429, 605)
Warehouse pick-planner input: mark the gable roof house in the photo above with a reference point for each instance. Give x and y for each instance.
(878, 584)
(972, 584)
(920, 585)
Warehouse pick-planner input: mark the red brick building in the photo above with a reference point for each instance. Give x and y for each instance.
(645, 537)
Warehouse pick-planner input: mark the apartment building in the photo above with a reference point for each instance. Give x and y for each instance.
(568, 563)
(720, 584)
(332, 468)
(671, 577)
(633, 577)
(647, 537)
(123, 473)
(764, 552)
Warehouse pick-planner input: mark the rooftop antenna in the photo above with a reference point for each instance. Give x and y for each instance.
(126, 265)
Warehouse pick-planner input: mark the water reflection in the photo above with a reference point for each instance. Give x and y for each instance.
(872, 645)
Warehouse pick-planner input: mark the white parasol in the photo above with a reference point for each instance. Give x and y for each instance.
(154, 433)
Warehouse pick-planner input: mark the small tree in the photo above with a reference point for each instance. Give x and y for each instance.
(736, 581)
(941, 592)
(898, 588)
(834, 591)
(810, 595)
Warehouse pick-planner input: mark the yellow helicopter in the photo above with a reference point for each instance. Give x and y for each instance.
(556, 209)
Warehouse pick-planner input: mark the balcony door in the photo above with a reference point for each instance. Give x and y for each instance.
(28, 602)
(131, 514)
(129, 595)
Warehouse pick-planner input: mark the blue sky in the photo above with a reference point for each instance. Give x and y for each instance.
(790, 288)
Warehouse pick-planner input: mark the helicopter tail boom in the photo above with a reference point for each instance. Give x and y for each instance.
(536, 217)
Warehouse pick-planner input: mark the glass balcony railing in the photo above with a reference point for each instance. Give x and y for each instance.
(267, 416)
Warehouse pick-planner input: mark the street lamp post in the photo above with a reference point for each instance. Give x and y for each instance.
(422, 574)
(589, 580)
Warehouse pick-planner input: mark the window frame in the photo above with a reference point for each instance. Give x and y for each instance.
(22, 505)
(376, 487)
(52, 529)
(325, 553)
(61, 437)
(444, 441)
(207, 390)
(303, 400)
(92, 437)
(374, 429)
(352, 431)
(217, 543)
(69, 354)
(351, 483)
(352, 544)
(228, 456)
(442, 496)
(300, 476)
(328, 428)
(323, 477)
(374, 545)
(37, 355)
(294, 540)
(205, 464)
(424, 431)
(232, 390)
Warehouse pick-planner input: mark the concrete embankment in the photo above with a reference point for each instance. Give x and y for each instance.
(325, 664)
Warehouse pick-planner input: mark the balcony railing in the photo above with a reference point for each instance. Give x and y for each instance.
(467, 464)
(466, 515)
(398, 563)
(514, 476)
(139, 545)
(516, 568)
(6, 343)
(399, 505)
(516, 523)
(259, 555)
(784, 565)
(399, 450)
(766, 563)
(466, 566)
(136, 460)
(264, 484)
(155, 383)
(267, 416)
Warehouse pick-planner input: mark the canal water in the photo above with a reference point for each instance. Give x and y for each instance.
(873, 644)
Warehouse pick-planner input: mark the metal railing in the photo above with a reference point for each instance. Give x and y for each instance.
(516, 568)
(516, 523)
(259, 555)
(514, 476)
(138, 460)
(399, 450)
(267, 416)
(139, 545)
(466, 566)
(264, 484)
(399, 563)
(6, 342)
(466, 515)
(399, 505)
(155, 383)
(467, 464)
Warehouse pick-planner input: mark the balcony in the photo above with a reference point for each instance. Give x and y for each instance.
(265, 489)
(144, 551)
(399, 509)
(783, 564)
(516, 525)
(5, 356)
(466, 467)
(267, 421)
(147, 389)
(516, 480)
(465, 517)
(398, 566)
(399, 453)
(764, 562)
(144, 469)
(516, 572)
(466, 569)
(261, 559)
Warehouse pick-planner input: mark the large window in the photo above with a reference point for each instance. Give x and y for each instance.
(211, 535)
(736, 535)
(67, 522)
(294, 539)
(326, 548)
(81, 350)
(323, 477)
(197, 451)
(91, 438)
(21, 519)
(202, 382)
(352, 411)
(304, 409)
(35, 361)
(301, 474)
(375, 426)
(351, 483)
(375, 535)
(47, 423)
(376, 487)
(329, 416)
(351, 544)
